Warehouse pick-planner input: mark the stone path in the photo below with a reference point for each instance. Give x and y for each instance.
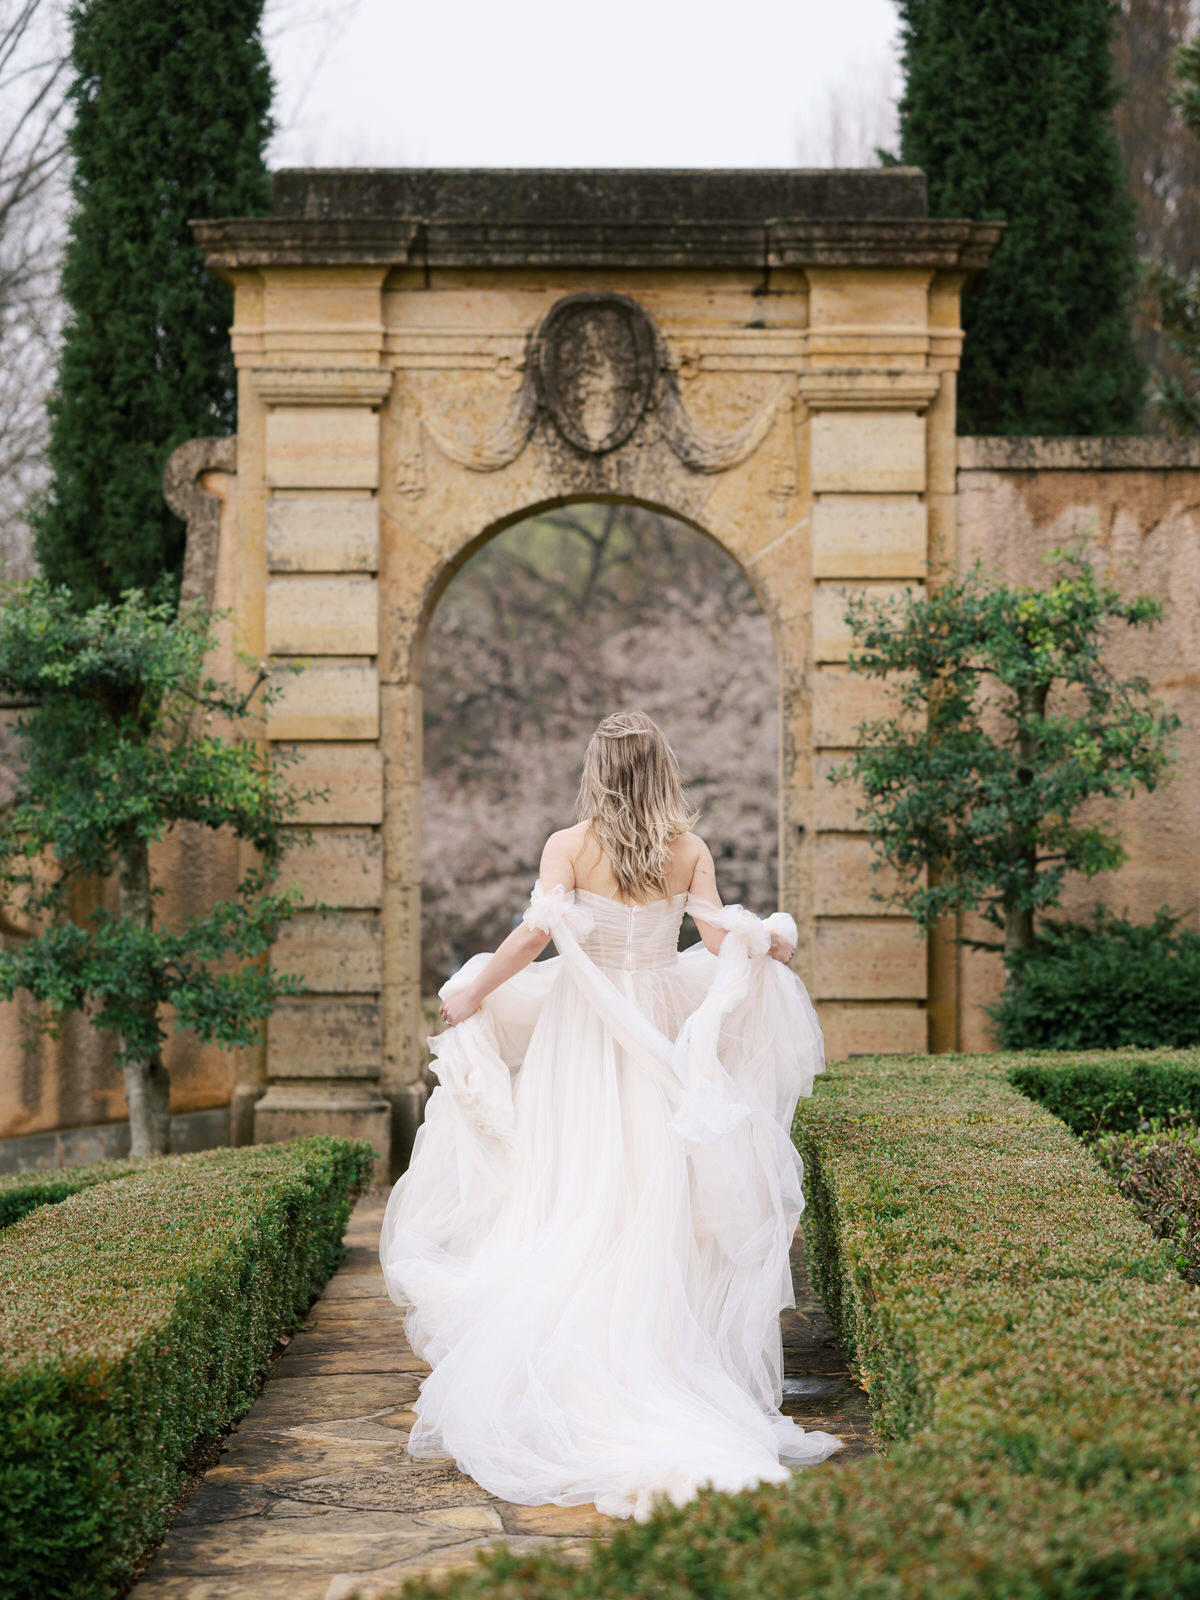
(314, 1497)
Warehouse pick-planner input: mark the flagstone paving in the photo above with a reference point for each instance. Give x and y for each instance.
(314, 1497)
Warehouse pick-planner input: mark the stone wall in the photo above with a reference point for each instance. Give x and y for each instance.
(1138, 502)
(62, 1100)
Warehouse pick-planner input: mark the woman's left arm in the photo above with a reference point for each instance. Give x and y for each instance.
(523, 945)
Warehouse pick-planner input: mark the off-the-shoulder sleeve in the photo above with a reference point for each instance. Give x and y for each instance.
(756, 930)
(557, 907)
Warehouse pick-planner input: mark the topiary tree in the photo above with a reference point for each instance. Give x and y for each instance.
(122, 739)
(171, 103)
(1008, 721)
(1008, 108)
(1176, 397)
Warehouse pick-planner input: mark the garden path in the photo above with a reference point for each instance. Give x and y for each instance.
(314, 1497)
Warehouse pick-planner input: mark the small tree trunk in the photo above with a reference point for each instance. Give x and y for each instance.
(1018, 933)
(1018, 924)
(147, 1085)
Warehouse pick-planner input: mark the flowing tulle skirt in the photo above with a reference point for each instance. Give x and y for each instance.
(591, 1241)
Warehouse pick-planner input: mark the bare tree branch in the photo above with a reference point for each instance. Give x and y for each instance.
(33, 156)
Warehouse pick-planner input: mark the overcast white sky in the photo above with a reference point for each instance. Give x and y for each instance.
(689, 83)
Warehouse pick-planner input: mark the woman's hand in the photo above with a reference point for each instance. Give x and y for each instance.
(781, 948)
(458, 1007)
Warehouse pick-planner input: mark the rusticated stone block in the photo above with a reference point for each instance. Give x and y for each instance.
(402, 834)
(322, 533)
(319, 1038)
(342, 954)
(403, 732)
(835, 806)
(879, 959)
(832, 639)
(869, 536)
(842, 700)
(341, 867)
(868, 452)
(843, 882)
(322, 616)
(352, 774)
(322, 447)
(292, 1112)
(872, 1030)
(327, 700)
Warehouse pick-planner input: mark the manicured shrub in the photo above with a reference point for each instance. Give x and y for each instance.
(1110, 1091)
(1160, 1173)
(1107, 984)
(23, 1192)
(135, 1318)
(1030, 1353)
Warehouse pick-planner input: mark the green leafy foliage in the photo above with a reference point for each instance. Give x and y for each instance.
(1159, 1172)
(1030, 1353)
(171, 110)
(1008, 109)
(135, 1319)
(1112, 1091)
(1007, 721)
(23, 1192)
(1107, 984)
(1175, 397)
(125, 738)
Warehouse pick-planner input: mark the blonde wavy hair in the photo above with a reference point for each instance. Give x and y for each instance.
(631, 796)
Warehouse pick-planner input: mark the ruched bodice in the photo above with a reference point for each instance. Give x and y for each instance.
(631, 938)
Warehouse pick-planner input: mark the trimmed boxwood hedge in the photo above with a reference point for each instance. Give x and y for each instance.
(1160, 1173)
(1111, 1091)
(1033, 1362)
(135, 1319)
(23, 1192)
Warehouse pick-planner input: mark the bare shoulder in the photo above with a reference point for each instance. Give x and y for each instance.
(695, 864)
(559, 855)
(569, 839)
(690, 848)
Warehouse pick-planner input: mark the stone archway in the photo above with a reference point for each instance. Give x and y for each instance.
(426, 357)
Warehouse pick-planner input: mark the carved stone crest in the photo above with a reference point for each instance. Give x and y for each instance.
(597, 360)
(595, 365)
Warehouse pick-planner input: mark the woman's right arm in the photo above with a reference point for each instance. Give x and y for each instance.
(704, 887)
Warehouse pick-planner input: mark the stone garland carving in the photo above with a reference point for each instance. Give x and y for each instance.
(596, 364)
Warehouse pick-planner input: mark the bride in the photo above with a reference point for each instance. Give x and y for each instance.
(591, 1240)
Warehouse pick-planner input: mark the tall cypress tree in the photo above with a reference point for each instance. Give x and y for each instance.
(172, 114)
(1008, 108)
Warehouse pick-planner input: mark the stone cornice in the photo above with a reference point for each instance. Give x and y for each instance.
(941, 243)
(1120, 454)
(240, 244)
(322, 386)
(869, 390)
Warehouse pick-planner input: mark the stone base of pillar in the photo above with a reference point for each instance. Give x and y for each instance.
(297, 1111)
(408, 1107)
(242, 1102)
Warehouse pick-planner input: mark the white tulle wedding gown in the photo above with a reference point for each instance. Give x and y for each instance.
(591, 1240)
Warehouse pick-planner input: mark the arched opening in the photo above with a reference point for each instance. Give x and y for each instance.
(551, 623)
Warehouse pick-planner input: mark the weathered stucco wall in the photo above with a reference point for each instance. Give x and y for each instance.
(1136, 505)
